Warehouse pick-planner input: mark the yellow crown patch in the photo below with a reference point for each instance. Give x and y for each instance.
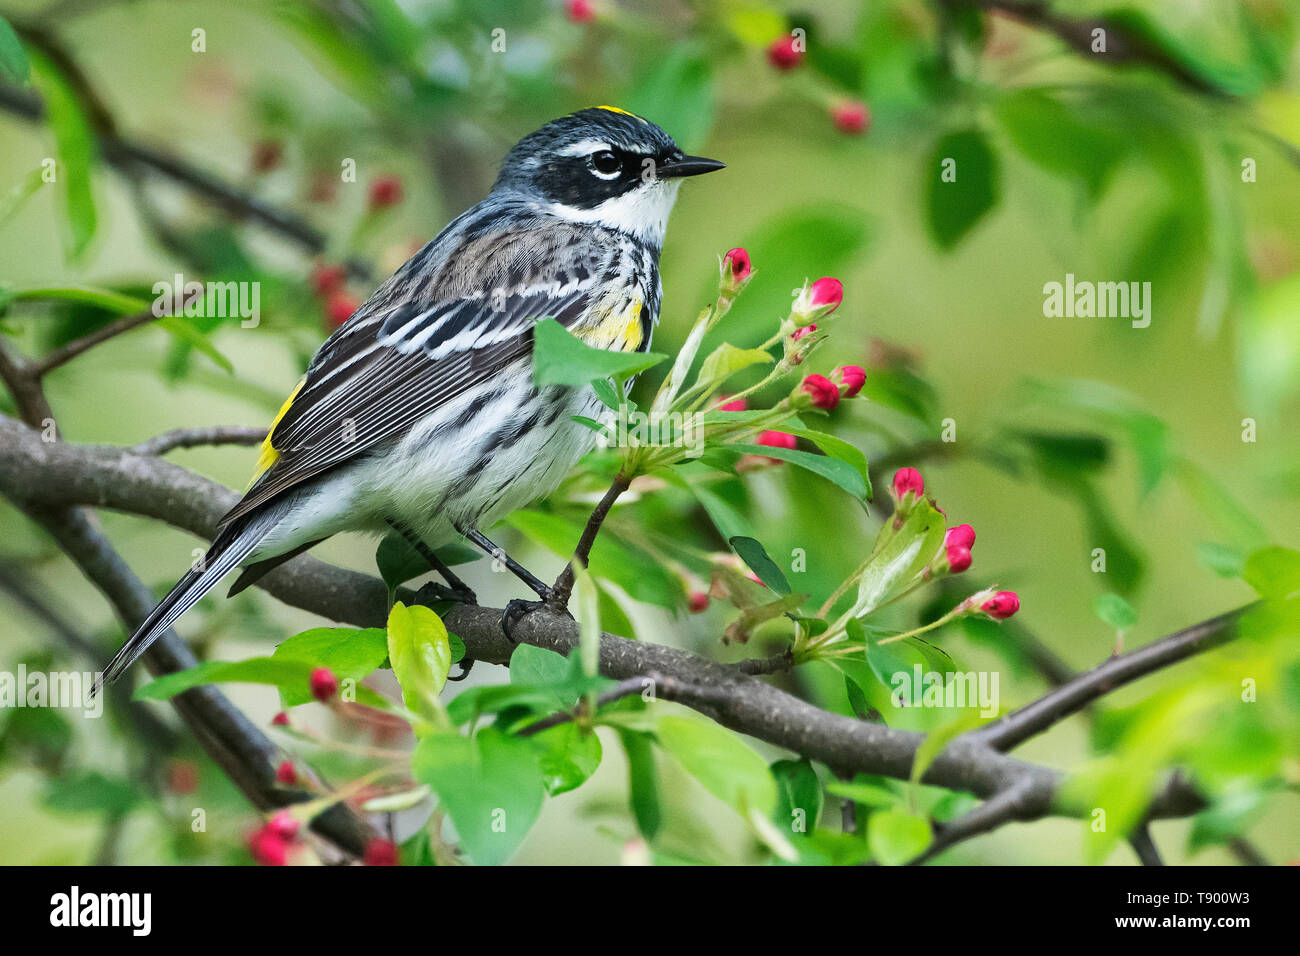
(615, 109)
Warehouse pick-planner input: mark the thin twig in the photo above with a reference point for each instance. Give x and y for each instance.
(1144, 846)
(194, 437)
(563, 586)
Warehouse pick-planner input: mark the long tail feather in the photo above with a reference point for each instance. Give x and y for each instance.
(231, 546)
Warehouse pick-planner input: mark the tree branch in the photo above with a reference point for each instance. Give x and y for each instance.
(193, 437)
(35, 472)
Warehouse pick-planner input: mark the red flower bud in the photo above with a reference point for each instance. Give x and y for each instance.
(825, 394)
(908, 480)
(851, 379)
(283, 825)
(266, 156)
(777, 440)
(738, 260)
(327, 280)
(380, 852)
(736, 405)
(1001, 605)
(785, 53)
(958, 558)
(827, 292)
(286, 774)
(385, 191)
(324, 685)
(280, 720)
(579, 11)
(797, 334)
(699, 602)
(962, 535)
(339, 308)
(851, 116)
(268, 848)
(182, 777)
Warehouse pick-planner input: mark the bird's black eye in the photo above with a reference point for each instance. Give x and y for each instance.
(605, 163)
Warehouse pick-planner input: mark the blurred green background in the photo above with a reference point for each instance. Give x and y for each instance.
(1109, 171)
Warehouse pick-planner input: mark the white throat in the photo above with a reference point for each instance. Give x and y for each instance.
(642, 212)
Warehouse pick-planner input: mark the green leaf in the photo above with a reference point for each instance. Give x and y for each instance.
(350, 653)
(1052, 135)
(561, 358)
(867, 794)
(897, 837)
(88, 791)
(899, 659)
(955, 207)
(726, 360)
(836, 448)
(1224, 561)
(571, 755)
(1273, 572)
(75, 146)
(934, 743)
(420, 653)
(754, 555)
(643, 781)
(398, 561)
(284, 674)
(491, 786)
(1115, 611)
(834, 470)
(799, 796)
(15, 68)
(899, 556)
(726, 766)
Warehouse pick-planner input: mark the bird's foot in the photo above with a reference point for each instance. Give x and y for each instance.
(518, 608)
(432, 592)
(466, 663)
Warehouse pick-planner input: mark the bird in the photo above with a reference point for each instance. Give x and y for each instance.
(420, 412)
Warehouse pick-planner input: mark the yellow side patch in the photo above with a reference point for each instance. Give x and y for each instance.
(629, 339)
(618, 329)
(268, 455)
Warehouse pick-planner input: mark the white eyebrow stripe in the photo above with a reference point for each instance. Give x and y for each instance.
(585, 148)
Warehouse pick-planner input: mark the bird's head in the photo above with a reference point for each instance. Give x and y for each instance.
(602, 165)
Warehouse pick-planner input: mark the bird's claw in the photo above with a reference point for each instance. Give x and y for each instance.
(434, 591)
(466, 663)
(517, 608)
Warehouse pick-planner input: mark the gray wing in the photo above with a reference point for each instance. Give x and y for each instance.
(428, 334)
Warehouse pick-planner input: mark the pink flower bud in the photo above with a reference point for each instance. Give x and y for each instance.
(825, 394)
(327, 280)
(267, 155)
(819, 299)
(958, 556)
(1001, 605)
(785, 53)
(283, 825)
(280, 720)
(736, 405)
(380, 852)
(908, 480)
(385, 191)
(962, 535)
(324, 685)
(699, 602)
(339, 308)
(182, 776)
(268, 848)
(797, 334)
(851, 379)
(777, 440)
(579, 11)
(851, 117)
(286, 774)
(738, 262)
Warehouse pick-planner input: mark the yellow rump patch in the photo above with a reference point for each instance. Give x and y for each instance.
(268, 455)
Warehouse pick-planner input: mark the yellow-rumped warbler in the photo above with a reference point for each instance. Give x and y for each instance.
(420, 412)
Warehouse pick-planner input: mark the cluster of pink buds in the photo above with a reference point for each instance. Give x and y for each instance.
(825, 393)
(957, 542)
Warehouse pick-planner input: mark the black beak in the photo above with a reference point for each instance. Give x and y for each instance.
(688, 166)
